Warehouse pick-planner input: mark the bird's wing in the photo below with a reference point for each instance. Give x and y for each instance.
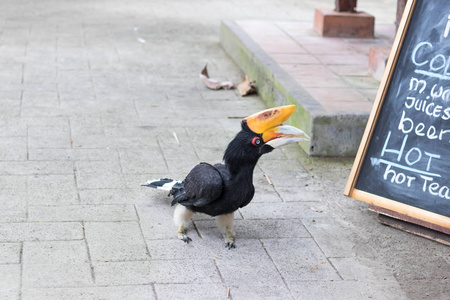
(203, 185)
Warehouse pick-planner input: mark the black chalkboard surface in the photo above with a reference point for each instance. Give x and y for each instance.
(403, 163)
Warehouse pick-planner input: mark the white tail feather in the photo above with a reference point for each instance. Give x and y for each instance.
(161, 184)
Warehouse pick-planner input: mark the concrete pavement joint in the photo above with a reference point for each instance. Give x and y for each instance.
(88, 254)
(278, 269)
(142, 232)
(327, 258)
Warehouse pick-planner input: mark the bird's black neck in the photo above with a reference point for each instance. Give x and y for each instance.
(242, 169)
(240, 158)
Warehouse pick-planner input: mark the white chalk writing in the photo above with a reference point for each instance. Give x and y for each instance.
(412, 153)
(438, 65)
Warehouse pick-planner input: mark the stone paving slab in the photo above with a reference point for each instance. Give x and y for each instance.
(256, 271)
(72, 154)
(13, 206)
(31, 231)
(87, 213)
(93, 293)
(303, 261)
(343, 290)
(49, 189)
(57, 275)
(120, 241)
(10, 253)
(156, 271)
(191, 291)
(10, 278)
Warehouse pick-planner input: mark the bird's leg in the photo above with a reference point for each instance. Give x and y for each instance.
(181, 216)
(225, 223)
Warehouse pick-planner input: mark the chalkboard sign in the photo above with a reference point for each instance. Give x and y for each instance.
(403, 163)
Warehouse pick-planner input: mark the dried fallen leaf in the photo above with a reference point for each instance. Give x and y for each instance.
(246, 87)
(214, 84)
(313, 267)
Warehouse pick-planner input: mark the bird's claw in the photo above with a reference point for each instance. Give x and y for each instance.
(186, 239)
(230, 245)
(181, 233)
(229, 240)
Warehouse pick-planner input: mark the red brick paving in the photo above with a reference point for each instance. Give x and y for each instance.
(333, 70)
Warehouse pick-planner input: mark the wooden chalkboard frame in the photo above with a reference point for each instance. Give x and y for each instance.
(373, 199)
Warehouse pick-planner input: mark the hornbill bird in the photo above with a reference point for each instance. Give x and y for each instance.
(221, 189)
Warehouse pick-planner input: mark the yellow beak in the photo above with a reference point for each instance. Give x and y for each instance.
(269, 118)
(284, 135)
(268, 123)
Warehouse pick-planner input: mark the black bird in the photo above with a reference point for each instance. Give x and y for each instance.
(221, 189)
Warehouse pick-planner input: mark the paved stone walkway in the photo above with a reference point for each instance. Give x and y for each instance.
(99, 96)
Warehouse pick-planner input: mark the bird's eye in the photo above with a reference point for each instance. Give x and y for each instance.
(256, 141)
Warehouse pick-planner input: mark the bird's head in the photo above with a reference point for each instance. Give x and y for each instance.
(262, 132)
(268, 130)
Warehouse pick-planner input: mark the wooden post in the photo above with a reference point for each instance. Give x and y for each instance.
(400, 8)
(346, 5)
(344, 21)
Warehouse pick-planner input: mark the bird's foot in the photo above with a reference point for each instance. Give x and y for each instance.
(229, 240)
(181, 233)
(185, 239)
